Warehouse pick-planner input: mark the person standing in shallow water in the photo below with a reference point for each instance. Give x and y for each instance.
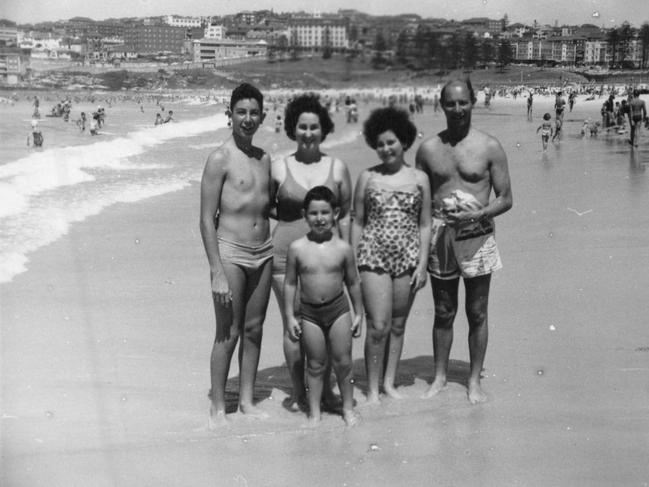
(464, 165)
(391, 235)
(307, 122)
(235, 228)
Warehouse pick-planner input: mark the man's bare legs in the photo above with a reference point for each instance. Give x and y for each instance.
(402, 298)
(445, 294)
(377, 294)
(244, 316)
(445, 298)
(477, 303)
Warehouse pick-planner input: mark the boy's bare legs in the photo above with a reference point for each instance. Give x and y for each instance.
(257, 293)
(228, 319)
(315, 345)
(376, 288)
(402, 298)
(340, 344)
(294, 356)
(477, 301)
(293, 352)
(445, 298)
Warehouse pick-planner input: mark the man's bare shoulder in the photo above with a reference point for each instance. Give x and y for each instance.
(219, 157)
(431, 142)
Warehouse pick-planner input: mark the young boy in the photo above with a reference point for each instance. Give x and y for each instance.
(323, 263)
(235, 205)
(558, 123)
(546, 130)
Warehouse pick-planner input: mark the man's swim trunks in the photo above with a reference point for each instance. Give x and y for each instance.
(248, 256)
(325, 314)
(467, 251)
(390, 239)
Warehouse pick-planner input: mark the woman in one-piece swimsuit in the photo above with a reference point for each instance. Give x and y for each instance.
(391, 234)
(308, 123)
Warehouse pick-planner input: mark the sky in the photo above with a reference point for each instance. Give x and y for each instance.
(606, 13)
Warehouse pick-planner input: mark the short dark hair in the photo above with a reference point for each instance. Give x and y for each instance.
(466, 82)
(306, 103)
(246, 91)
(389, 118)
(319, 193)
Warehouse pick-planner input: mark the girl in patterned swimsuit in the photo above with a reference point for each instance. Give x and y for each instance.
(391, 234)
(308, 123)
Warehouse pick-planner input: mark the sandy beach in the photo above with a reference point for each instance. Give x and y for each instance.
(105, 344)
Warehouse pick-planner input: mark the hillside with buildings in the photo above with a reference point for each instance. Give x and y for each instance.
(173, 51)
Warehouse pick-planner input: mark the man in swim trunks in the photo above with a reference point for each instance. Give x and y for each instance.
(463, 165)
(234, 223)
(637, 113)
(559, 105)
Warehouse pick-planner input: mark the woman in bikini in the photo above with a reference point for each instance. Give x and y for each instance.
(391, 233)
(308, 123)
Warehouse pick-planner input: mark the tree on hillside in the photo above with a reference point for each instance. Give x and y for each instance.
(402, 47)
(380, 46)
(626, 34)
(505, 53)
(613, 40)
(470, 49)
(643, 36)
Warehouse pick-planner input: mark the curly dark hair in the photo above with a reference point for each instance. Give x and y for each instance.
(390, 118)
(306, 103)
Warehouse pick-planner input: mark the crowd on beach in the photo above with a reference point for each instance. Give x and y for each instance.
(344, 256)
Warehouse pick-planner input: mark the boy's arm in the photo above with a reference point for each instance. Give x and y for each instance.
(212, 181)
(293, 324)
(353, 283)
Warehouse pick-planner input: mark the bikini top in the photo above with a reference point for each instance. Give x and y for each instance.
(290, 194)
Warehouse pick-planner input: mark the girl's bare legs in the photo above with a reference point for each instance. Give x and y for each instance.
(377, 298)
(402, 298)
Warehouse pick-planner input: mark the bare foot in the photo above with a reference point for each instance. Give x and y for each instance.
(217, 419)
(476, 394)
(253, 411)
(351, 417)
(313, 421)
(373, 399)
(392, 392)
(435, 388)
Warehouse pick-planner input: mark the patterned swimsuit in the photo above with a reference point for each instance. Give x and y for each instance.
(390, 239)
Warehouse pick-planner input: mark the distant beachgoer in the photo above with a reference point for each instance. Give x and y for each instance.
(464, 165)
(609, 111)
(158, 119)
(530, 101)
(559, 105)
(170, 117)
(571, 99)
(435, 102)
(235, 204)
(637, 113)
(324, 265)
(391, 235)
(37, 103)
(546, 130)
(278, 124)
(81, 123)
(35, 137)
(558, 124)
(94, 124)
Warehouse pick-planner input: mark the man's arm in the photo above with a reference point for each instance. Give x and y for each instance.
(214, 176)
(500, 182)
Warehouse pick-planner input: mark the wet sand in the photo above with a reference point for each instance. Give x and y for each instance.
(106, 342)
